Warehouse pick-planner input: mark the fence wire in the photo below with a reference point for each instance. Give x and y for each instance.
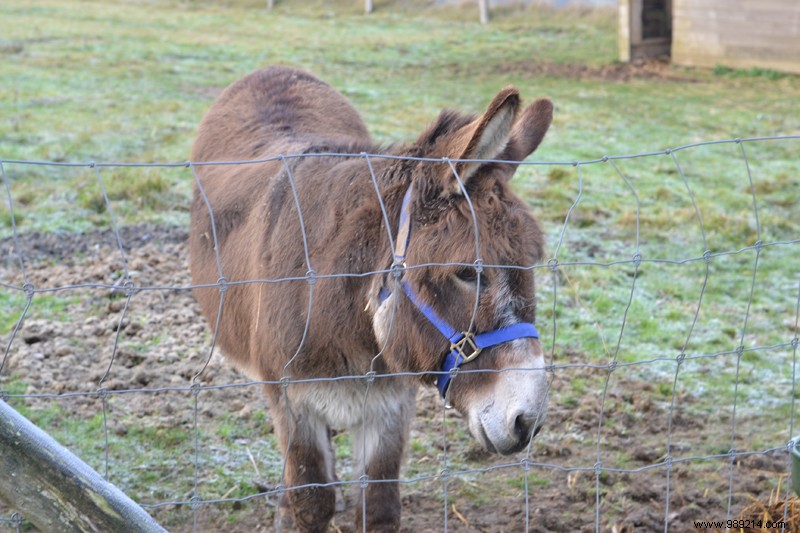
(635, 261)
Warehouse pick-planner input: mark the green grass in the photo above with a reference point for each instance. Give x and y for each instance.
(754, 72)
(531, 481)
(85, 80)
(53, 306)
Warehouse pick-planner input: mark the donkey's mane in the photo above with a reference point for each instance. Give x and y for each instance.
(449, 120)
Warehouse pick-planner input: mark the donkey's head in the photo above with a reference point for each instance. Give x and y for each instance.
(475, 316)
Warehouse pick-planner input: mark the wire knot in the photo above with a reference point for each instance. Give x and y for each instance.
(130, 287)
(29, 289)
(195, 502)
(222, 284)
(311, 276)
(397, 269)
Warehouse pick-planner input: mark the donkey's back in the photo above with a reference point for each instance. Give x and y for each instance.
(277, 110)
(274, 111)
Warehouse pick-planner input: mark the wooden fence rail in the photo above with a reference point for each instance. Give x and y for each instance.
(54, 489)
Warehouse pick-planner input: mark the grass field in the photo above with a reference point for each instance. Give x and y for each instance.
(128, 82)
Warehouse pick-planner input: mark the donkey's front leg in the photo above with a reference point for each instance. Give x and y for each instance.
(309, 461)
(379, 443)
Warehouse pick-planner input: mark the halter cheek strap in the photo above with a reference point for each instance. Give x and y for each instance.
(465, 346)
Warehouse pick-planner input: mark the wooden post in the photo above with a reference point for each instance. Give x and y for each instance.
(54, 489)
(270, 4)
(624, 41)
(368, 7)
(483, 5)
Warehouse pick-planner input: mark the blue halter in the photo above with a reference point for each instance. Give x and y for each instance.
(465, 346)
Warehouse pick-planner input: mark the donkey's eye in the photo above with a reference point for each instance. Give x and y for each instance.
(467, 274)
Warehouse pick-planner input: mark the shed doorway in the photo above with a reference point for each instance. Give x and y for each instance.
(645, 29)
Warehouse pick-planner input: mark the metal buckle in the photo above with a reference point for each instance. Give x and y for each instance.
(468, 341)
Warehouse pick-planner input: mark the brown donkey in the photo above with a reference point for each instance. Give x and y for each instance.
(354, 306)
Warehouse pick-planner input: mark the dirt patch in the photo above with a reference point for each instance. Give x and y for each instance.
(649, 69)
(580, 468)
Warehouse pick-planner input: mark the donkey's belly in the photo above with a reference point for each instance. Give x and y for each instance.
(351, 402)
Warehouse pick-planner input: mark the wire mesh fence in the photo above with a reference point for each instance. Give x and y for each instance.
(668, 310)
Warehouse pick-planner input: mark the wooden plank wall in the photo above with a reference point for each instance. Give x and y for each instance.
(737, 33)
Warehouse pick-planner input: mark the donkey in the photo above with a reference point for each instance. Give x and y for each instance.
(427, 309)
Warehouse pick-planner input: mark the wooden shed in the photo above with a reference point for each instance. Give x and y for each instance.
(707, 33)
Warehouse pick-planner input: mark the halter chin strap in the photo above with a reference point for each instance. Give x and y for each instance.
(465, 346)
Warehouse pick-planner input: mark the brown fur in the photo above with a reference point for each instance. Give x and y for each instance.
(281, 110)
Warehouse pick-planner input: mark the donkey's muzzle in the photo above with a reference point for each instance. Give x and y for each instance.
(506, 416)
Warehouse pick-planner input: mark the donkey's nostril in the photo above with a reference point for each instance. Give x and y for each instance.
(526, 428)
(522, 427)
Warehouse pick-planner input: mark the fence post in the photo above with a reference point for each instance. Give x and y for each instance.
(54, 489)
(368, 7)
(483, 5)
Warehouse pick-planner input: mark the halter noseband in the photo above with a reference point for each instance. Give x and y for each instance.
(465, 346)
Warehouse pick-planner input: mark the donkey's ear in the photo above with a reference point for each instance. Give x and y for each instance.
(485, 137)
(529, 131)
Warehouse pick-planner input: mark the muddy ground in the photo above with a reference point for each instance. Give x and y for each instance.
(164, 343)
